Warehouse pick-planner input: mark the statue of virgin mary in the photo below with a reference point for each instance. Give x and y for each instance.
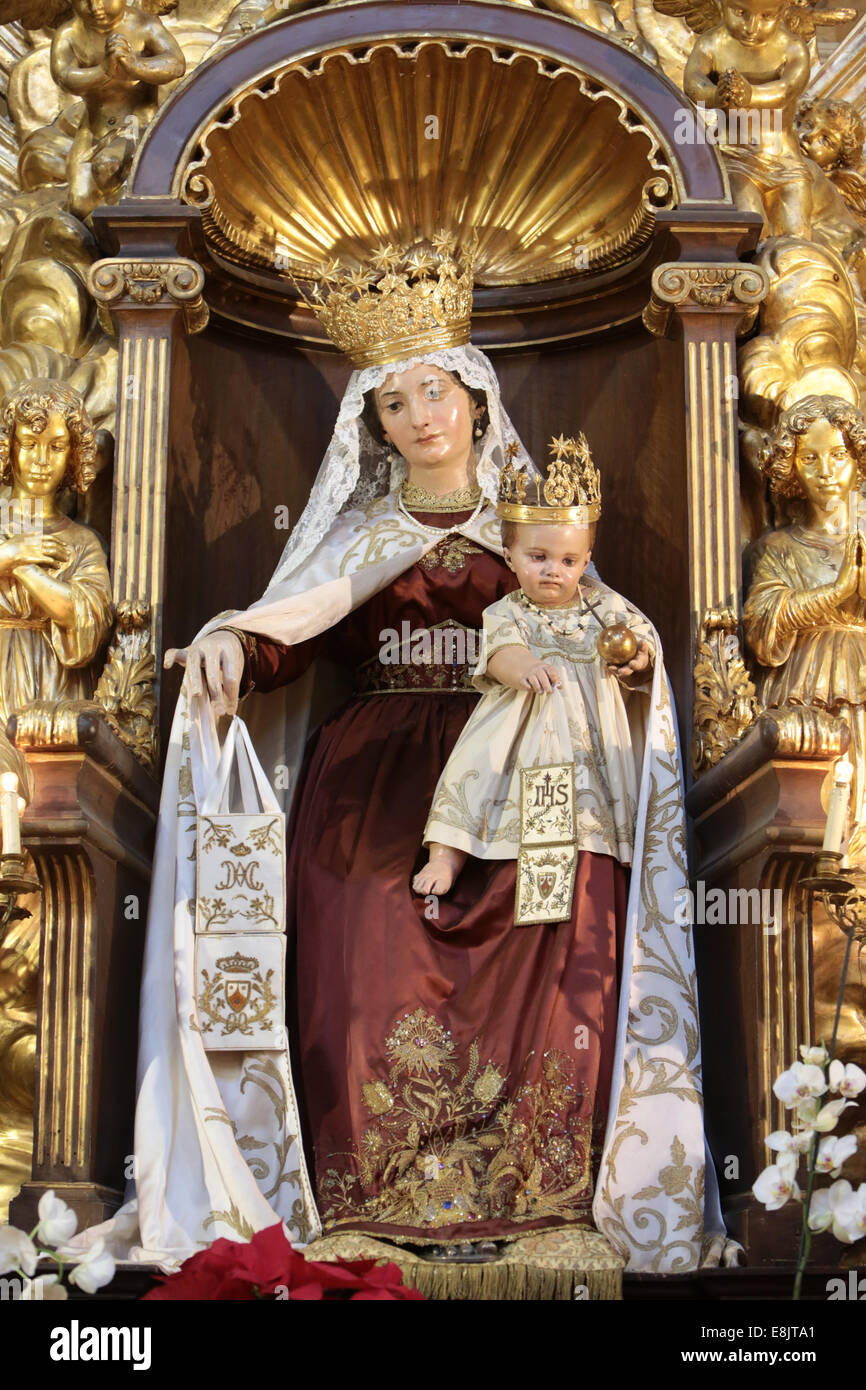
(447, 1076)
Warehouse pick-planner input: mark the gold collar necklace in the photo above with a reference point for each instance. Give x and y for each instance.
(418, 499)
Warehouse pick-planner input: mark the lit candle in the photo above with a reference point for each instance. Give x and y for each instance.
(837, 809)
(9, 822)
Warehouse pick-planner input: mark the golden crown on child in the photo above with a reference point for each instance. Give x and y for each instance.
(405, 300)
(570, 494)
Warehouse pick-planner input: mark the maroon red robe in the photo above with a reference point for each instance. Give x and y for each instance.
(453, 1070)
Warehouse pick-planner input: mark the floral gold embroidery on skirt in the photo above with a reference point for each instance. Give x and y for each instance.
(447, 1143)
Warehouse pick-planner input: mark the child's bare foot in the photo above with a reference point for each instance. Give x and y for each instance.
(440, 871)
(435, 877)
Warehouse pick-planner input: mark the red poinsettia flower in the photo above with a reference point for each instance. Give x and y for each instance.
(269, 1267)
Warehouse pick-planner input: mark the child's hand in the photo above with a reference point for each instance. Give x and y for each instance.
(640, 662)
(542, 677)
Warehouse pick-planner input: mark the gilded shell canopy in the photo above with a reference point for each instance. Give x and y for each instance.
(337, 154)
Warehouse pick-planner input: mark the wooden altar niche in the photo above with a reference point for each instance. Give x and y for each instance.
(222, 420)
(245, 408)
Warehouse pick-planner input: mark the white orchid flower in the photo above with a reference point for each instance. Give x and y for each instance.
(784, 1142)
(94, 1269)
(832, 1153)
(825, 1118)
(777, 1183)
(814, 1056)
(849, 1214)
(46, 1287)
(57, 1221)
(847, 1080)
(823, 1208)
(17, 1251)
(799, 1083)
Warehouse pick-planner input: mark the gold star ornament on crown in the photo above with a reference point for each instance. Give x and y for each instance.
(571, 492)
(404, 300)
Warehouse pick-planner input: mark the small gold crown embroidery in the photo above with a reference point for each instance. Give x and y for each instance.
(570, 493)
(404, 300)
(237, 964)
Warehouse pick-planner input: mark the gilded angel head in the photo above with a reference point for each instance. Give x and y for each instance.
(831, 133)
(43, 424)
(817, 449)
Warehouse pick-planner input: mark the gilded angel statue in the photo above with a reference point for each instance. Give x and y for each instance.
(751, 64)
(114, 56)
(805, 611)
(55, 589)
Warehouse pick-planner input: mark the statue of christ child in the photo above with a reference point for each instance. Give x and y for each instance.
(562, 659)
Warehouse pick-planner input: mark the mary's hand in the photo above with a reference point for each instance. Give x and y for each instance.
(214, 663)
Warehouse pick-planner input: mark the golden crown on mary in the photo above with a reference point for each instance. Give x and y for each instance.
(404, 300)
(570, 493)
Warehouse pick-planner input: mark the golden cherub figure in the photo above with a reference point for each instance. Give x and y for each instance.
(115, 56)
(831, 134)
(750, 64)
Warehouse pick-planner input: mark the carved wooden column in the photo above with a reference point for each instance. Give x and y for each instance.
(708, 303)
(706, 296)
(150, 292)
(89, 830)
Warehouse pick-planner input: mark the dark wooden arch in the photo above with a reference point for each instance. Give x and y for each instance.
(267, 50)
(512, 317)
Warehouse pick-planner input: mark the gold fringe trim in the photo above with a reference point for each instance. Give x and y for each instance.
(558, 1265)
(507, 1280)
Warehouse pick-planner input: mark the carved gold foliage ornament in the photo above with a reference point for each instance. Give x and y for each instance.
(725, 703)
(125, 690)
(704, 285)
(179, 282)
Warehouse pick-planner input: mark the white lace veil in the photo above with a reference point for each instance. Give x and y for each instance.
(356, 469)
